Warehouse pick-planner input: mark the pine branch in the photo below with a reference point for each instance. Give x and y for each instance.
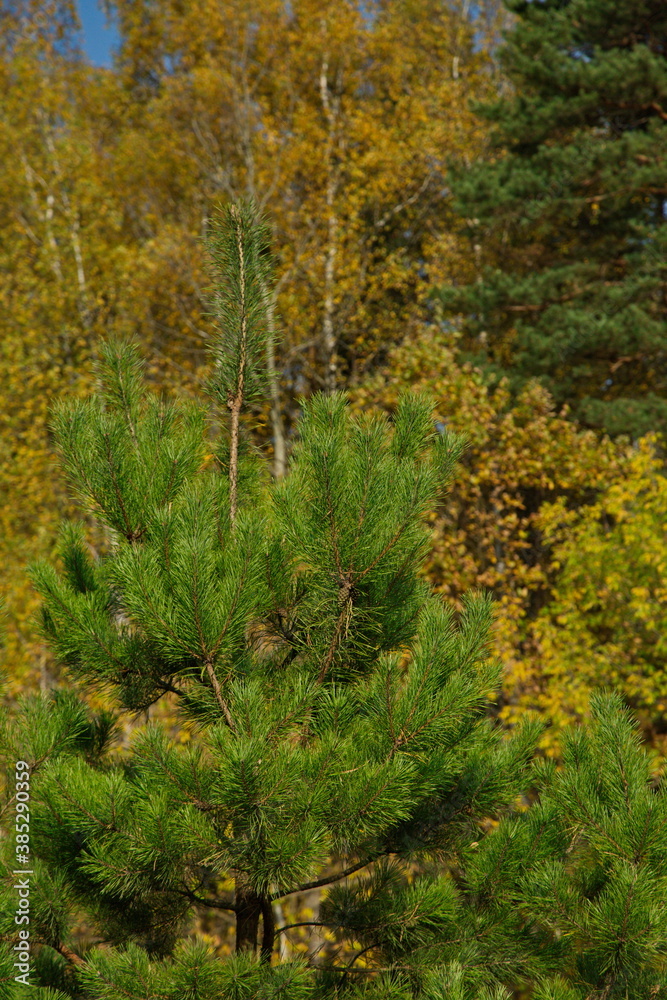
(165, 686)
(146, 595)
(335, 641)
(130, 533)
(329, 880)
(238, 245)
(219, 697)
(363, 951)
(301, 923)
(69, 955)
(388, 546)
(216, 904)
(233, 605)
(332, 522)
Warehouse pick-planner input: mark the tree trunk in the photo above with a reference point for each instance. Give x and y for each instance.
(331, 106)
(279, 447)
(248, 912)
(268, 930)
(249, 908)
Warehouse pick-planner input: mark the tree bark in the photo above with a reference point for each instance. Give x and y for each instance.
(249, 908)
(248, 911)
(235, 400)
(279, 447)
(331, 107)
(268, 930)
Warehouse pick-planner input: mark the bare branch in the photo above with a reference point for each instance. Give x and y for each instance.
(328, 880)
(219, 697)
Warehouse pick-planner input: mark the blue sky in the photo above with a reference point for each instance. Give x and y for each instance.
(98, 38)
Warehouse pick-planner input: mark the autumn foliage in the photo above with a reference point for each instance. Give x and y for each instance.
(348, 126)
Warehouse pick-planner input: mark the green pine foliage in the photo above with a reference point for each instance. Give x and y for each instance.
(578, 874)
(568, 216)
(340, 741)
(238, 245)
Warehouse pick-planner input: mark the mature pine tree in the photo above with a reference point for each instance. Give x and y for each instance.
(569, 216)
(339, 738)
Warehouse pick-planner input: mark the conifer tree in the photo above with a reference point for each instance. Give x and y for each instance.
(568, 216)
(337, 720)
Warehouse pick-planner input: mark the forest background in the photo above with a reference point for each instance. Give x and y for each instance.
(506, 261)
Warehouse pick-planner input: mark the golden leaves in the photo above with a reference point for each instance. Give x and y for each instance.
(565, 528)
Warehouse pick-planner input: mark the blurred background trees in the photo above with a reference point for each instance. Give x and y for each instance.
(355, 129)
(569, 212)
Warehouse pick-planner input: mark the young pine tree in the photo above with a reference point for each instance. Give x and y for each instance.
(339, 739)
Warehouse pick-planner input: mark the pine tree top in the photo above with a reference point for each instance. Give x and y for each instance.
(340, 741)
